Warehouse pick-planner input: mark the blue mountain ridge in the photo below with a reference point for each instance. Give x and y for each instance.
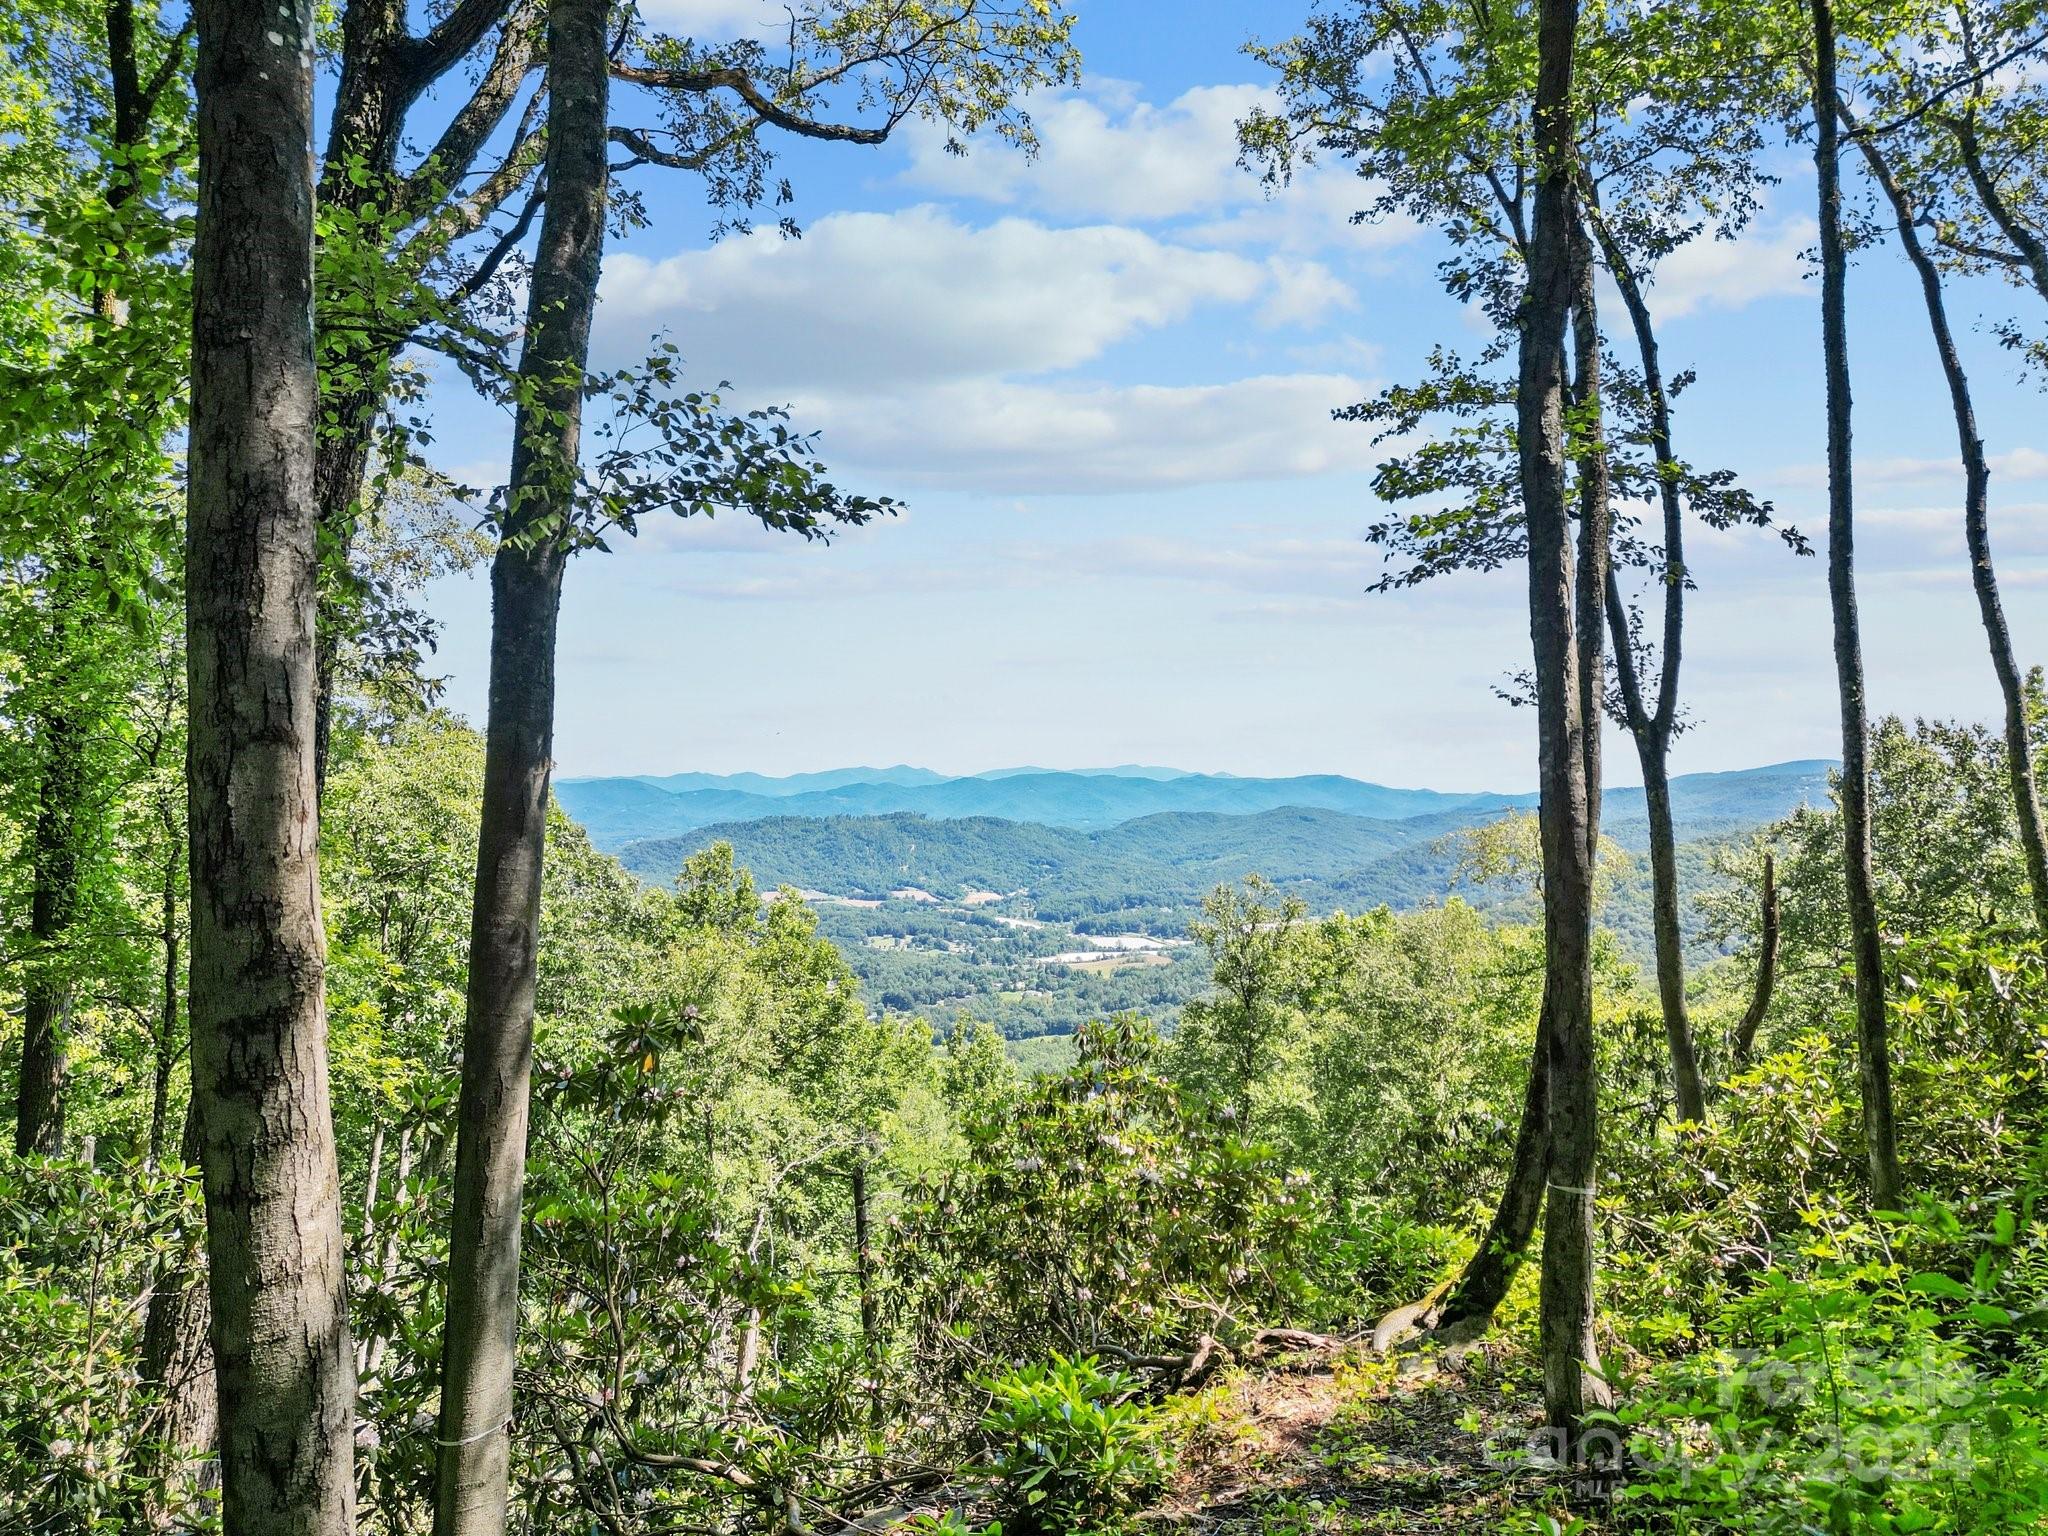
(618, 811)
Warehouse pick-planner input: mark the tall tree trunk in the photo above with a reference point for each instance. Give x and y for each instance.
(177, 1363)
(1469, 1305)
(1651, 725)
(526, 587)
(363, 137)
(1743, 1046)
(167, 1007)
(1596, 519)
(1873, 1051)
(371, 1355)
(257, 1005)
(1483, 1284)
(870, 1303)
(1688, 1085)
(53, 902)
(1567, 810)
(61, 801)
(2026, 794)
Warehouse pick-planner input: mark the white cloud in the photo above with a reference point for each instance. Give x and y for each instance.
(1766, 261)
(1105, 153)
(1006, 437)
(1303, 292)
(1286, 568)
(2025, 464)
(2018, 464)
(919, 344)
(884, 299)
(716, 19)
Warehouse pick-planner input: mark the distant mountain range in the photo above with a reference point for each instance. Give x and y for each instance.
(620, 811)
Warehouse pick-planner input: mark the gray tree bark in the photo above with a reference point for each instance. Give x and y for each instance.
(53, 902)
(1873, 1049)
(177, 1364)
(62, 799)
(258, 954)
(2031, 248)
(1567, 811)
(2019, 751)
(1743, 1046)
(481, 1344)
(1652, 725)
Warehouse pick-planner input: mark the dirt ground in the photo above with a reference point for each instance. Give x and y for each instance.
(1345, 1442)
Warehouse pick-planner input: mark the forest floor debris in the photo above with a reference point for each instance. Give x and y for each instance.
(1346, 1441)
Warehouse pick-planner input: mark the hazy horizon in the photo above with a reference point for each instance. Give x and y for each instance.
(1610, 780)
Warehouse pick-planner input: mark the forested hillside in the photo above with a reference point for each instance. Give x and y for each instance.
(1172, 858)
(970, 916)
(401, 1148)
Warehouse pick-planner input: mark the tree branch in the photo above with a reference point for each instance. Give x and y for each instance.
(741, 84)
(426, 59)
(517, 55)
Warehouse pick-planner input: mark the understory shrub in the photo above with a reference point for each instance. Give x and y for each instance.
(1846, 1392)
(1101, 1207)
(1074, 1449)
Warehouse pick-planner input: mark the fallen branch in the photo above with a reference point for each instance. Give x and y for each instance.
(1190, 1368)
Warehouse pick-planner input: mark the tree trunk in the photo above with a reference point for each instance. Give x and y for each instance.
(1483, 1285)
(1687, 1083)
(1744, 1044)
(526, 587)
(167, 1015)
(1567, 799)
(1873, 1052)
(256, 1000)
(2026, 794)
(53, 901)
(1651, 726)
(870, 1303)
(177, 1364)
(370, 103)
(371, 1355)
(62, 796)
(1596, 520)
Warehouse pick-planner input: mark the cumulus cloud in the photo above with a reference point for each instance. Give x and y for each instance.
(1273, 568)
(1260, 574)
(716, 20)
(1766, 261)
(884, 299)
(1107, 153)
(2024, 464)
(1008, 437)
(941, 351)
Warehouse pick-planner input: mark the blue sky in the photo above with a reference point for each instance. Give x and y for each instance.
(1101, 382)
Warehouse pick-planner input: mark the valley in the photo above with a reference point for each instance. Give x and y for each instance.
(1039, 920)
